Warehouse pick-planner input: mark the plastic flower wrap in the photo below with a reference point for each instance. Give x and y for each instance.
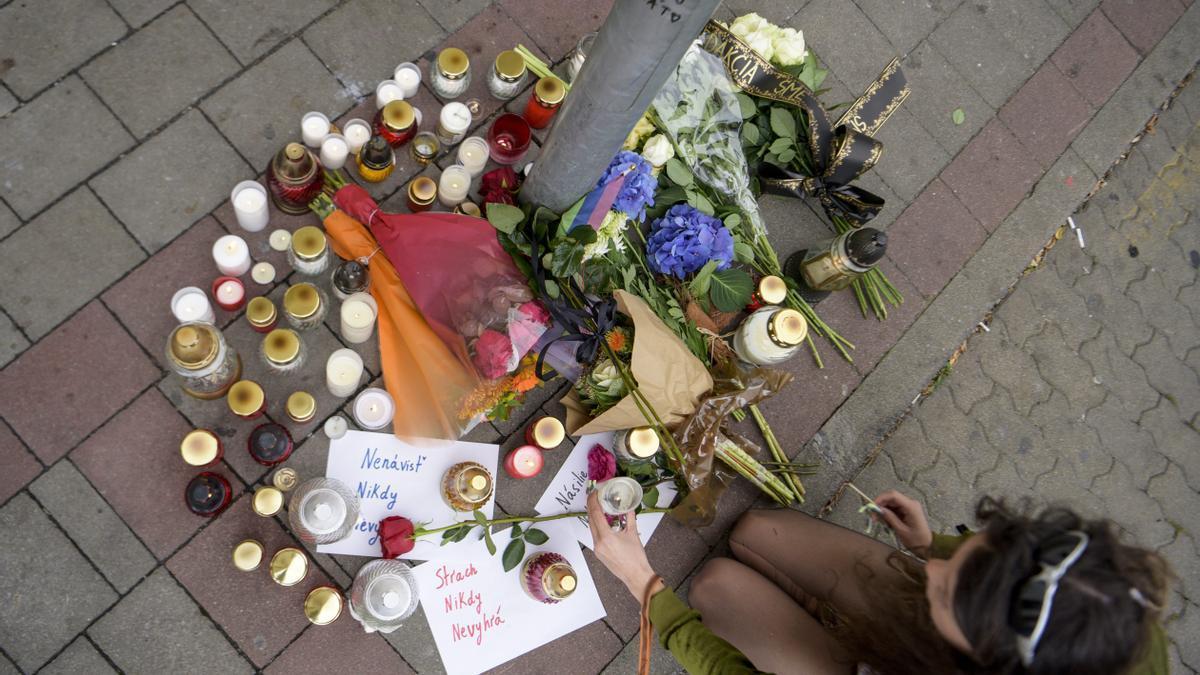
(685, 239)
(639, 188)
(513, 326)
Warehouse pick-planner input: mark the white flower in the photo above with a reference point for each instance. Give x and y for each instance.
(658, 150)
(747, 24)
(608, 236)
(761, 42)
(789, 47)
(607, 378)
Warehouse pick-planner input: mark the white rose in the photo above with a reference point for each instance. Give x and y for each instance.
(760, 41)
(789, 47)
(658, 150)
(747, 24)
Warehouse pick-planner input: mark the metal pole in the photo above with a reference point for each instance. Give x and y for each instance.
(638, 47)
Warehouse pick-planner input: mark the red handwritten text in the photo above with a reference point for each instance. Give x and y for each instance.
(447, 576)
(476, 630)
(464, 600)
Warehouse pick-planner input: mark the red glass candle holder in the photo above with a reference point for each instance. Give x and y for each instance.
(508, 138)
(270, 443)
(230, 304)
(524, 462)
(207, 494)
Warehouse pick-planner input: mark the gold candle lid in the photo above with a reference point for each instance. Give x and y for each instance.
(285, 479)
(260, 311)
(787, 328)
(510, 67)
(281, 346)
(247, 555)
(267, 501)
(245, 397)
(559, 580)
(200, 447)
(323, 605)
(422, 190)
(550, 90)
(772, 289)
(642, 442)
(453, 63)
(398, 115)
(308, 242)
(548, 433)
(194, 346)
(302, 300)
(468, 209)
(301, 406)
(289, 566)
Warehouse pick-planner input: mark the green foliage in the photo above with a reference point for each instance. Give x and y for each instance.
(514, 553)
(731, 289)
(504, 217)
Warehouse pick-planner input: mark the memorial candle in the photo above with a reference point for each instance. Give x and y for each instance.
(408, 77)
(357, 133)
(250, 205)
(207, 494)
(473, 155)
(314, 127)
(386, 92)
(524, 462)
(336, 427)
(374, 409)
(263, 273)
(343, 371)
(190, 304)
(454, 185)
(281, 240)
(334, 150)
(229, 292)
(231, 255)
(358, 318)
(453, 122)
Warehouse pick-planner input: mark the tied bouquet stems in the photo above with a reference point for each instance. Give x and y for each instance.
(537, 66)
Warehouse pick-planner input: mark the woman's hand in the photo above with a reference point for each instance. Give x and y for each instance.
(906, 517)
(620, 550)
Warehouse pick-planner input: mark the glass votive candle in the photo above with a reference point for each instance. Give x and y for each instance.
(468, 209)
(314, 127)
(249, 200)
(473, 155)
(467, 486)
(356, 132)
(343, 372)
(358, 318)
(232, 255)
(450, 73)
(424, 147)
(280, 240)
(201, 447)
(267, 501)
(524, 462)
(263, 273)
(453, 122)
(544, 102)
(408, 77)
(309, 251)
(229, 292)
(270, 444)
(301, 407)
(191, 304)
(454, 185)
(579, 55)
(246, 399)
(334, 150)
(261, 314)
(386, 92)
(376, 160)
(508, 75)
(545, 432)
(374, 409)
(304, 305)
(348, 278)
(396, 122)
(508, 139)
(422, 192)
(282, 351)
(207, 494)
(336, 427)
(548, 577)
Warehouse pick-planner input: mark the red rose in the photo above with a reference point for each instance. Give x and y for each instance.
(396, 536)
(502, 179)
(534, 311)
(493, 352)
(602, 464)
(497, 196)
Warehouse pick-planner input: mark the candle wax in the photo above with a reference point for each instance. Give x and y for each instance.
(191, 306)
(281, 240)
(390, 92)
(357, 136)
(263, 273)
(315, 127)
(250, 200)
(357, 314)
(335, 427)
(230, 292)
(407, 78)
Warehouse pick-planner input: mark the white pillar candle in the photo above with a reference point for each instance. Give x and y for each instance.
(281, 240)
(333, 151)
(357, 133)
(230, 295)
(343, 371)
(453, 122)
(386, 92)
(473, 155)
(408, 76)
(454, 185)
(374, 409)
(314, 127)
(231, 255)
(336, 427)
(191, 304)
(262, 273)
(358, 317)
(250, 205)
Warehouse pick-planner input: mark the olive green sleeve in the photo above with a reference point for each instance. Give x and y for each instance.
(692, 644)
(944, 545)
(1156, 660)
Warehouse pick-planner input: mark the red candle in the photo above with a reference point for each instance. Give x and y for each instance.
(229, 292)
(524, 462)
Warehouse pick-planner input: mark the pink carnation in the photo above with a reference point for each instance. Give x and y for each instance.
(493, 351)
(602, 464)
(535, 312)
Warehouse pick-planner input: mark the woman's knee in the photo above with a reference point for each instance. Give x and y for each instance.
(710, 589)
(762, 526)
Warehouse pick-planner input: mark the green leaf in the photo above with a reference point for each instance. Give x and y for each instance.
(463, 532)
(564, 223)
(583, 235)
(650, 497)
(552, 289)
(670, 196)
(679, 173)
(504, 217)
(479, 517)
(958, 116)
(516, 530)
(701, 202)
(699, 286)
(487, 540)
(536, 536)
(782, 145)
(747, 106)
(787, 156)
(782, 122)
(743, 252)
(514, 553)
(731, 289)
(750, 134)
(567, 258)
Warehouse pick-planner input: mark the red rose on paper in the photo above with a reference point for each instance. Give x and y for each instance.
(534, 311)
(395, 536)
(602, 464)
(493, 351)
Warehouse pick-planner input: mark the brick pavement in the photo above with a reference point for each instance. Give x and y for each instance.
(124, 123)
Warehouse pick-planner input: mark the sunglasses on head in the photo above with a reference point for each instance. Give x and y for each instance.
(1030, 610)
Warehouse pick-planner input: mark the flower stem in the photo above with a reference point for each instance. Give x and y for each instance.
(422, 532)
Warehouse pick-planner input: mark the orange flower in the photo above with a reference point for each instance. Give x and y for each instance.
(618, 340)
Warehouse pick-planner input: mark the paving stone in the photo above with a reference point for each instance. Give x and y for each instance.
(251, 29)
(544, 20)
(12, 342)
(792, 224)
(452, 15)
(158, 628)
(985, 58)
(778, 12)
(549, 392)
(159, 70)
(1032, 27)
(341, 646)
(1074, 12)
(661, 661)
(138, 12)
(172, 180)
(1046, 114)
(922, 158)
(20, 466)
(414, 640)
(35, 626)
(583, 651)
(72, 381)
(856, 62)
(133, 462)
(811, 397)
(1143, 22)
(259, 615)
(42, 41)
(7, 103)
(80, 657)
(92, 525)
(403, 25)
(8, 220)
(1096, 58)
(992, 174)
(74, 118)
(260, 242)
(939, 90)
(907, 22)
(932, 239)
(257, 125)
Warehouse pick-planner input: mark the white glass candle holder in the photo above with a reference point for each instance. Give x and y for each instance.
(232, 255)
(453, 122)
(358, 317)
(314, 127)
(250, 205)
(374, 409)
(357, 133)
(343, 372)
(191, 304)
(334, 150)
(454, 185)
(473, 155)
(322, 511)
(386, 92)
(408, 77)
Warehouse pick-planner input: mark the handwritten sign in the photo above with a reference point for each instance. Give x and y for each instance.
(568, 492)
(481, 615)
(393, 477)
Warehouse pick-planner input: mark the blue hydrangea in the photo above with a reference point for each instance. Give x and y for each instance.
(684, 239)
(639, 188)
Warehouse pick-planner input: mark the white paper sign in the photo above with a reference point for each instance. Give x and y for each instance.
(481, 615)
(568, 492)
(397, 478)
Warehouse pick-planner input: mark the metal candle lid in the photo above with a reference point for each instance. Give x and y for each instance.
(245, 398)
(294, 163)
(289, 566)
(510, 67)
(308, 242)
(787, 328)
(285, 479)
(772, 289)
(281, 346)
(260, 312)
(548, 433)
(194, 345)
(323, 605)
(398, 116)
(377, 154)
(550, 91)
(302, 300)
(267, 501)
(642, 442)
(301, 406)
(453, 63)
(468, 209)
(422, 190)
(200, 447)
(247, 555)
